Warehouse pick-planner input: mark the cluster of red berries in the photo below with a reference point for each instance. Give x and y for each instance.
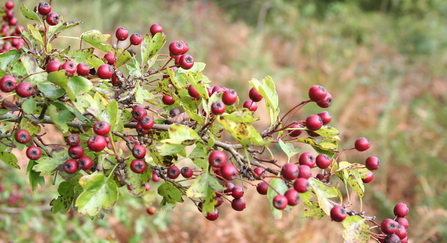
(395, 230)
(10, 29)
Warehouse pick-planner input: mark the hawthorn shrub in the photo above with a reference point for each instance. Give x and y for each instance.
(165, 109)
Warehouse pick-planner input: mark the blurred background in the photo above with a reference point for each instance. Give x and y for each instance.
(384, 62)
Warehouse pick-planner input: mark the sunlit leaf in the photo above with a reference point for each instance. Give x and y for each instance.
(356, 230)
(289, 149)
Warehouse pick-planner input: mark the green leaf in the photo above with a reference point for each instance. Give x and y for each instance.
(100, 194)
(181, 135)
(151, 46)
(123, 56)
(136, 180)
(170, 193)
(30, 63)
(330, 133)
(198, 67)
(268, 90)
(80, 85)
(54, 30)
(29, 106)
(245, 133)
(167, 149)
(11, 56)
(50, 91)
(10, 159)
(61, 79)
(134, 68)
(35, 34)
(356, 230)
(323, 193)
(352, 173)
(47, 165)
(141, 94)
(321, 144)
(29, 14)
(63, 202)
(60, 115)
(199, 156)
(289, 149)
(280, 186)
(205, 187)
(34, 177)
(110, 114)
(96, 39)
(241, 116)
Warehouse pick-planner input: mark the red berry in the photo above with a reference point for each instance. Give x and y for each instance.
(229, 187)
(105, 71)
(362, 144)
(218, 107)
(401, 232)
(75, 152)
(193, 92)
(138, 166)
(338, 213)
(73, 139)
(44, 8)
(85, 163)
(314, 122)
(136, 39)
(254, 95)
(307, 158)
(289, 171)
(251, 105)
(156, 28)
(185, 47)
(295, 133)
(293, 197)
(22, 136)
(323, 161)
(70, 166)
(146, 122)
(147, 186)
(139, 151)
(101, 128)
(186, 172)
(229, 172)
(186, 61)
(53, 18)
(155, 177)
(9, 4)
(138, 112)
(13, 21)
(33, 152)
(217, 158)
(96, 143)
(173, 172)
(262, 188)
(218, 89)
(280, 202)
(53, 66)
(401, 210)
(229, 97)
(392, 238)
(213, 216)
(140, 129)
(317, 93)
(151, 210)
(260, 172)
(389, 226)
(372, 163)
(326, 102)
(8, 83)
(237, 192)
(25, 89)
(121, 33)
(82, 69)
(168, 100)
(238, 204)
(176, 48)
(69, 67)
(368, 177)
(304, 171)
(110, 58)
(301, 185)
(403, 221)
(325, 117)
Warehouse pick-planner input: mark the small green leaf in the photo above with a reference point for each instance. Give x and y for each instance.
(356, 230)
(34, 177)
(110, 114)
(268, 90)
(8, 57)
(241, 116)
(96, 39)
(100, 194)
(10, 159)
(60, 115)
(245, 133)
(167, 149)
(323, 193)
(80, 85)
(29, 106)
(151, 46)
(29, 14)
(198, 67)
(123, 56)
(205, 187)
(47, 165)
(136, 180)
(35, 34)
(181, 135)
(289, 149)
(50, 91)
(280, 186)
(321, 144)
(170, 193)
(330, 133)
(63, 202)
(134, 68)
(54, 30)
(141, 94)
(199, 156)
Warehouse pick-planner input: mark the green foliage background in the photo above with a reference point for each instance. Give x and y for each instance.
(383, 62)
